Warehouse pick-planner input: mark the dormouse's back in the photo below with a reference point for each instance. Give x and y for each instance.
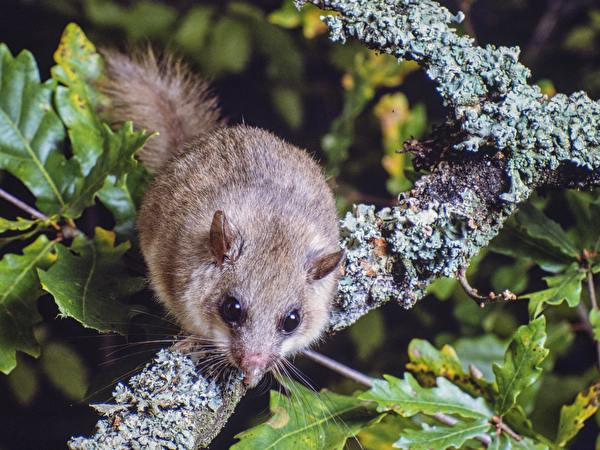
(261, 182)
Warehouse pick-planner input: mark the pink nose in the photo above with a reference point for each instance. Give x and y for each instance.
(254, 367)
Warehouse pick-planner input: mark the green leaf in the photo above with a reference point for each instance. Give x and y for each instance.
(573, 416)
(17, 237)
(78, 64)
(540, 226)
(14, 225)
(514, 240)
(19, 291)
(441, 438)
(286, 61)
(442, 288)
(517, 420)
(481, 352)
(65, 369)
(428, 362)
(584, 207)
(32, 133)
(560, 337)
(89, 283)
(528, 444)
(520, 370)
(287, 16)
(407, 397)
(230, 47)
(123, 201)
(289, 105)
(368, 333)
(116, 159)
(514, 276)
(425, 357)
(595, 321)
(382, 435)
(24, 382)
(142, 20)
(505, 442)
(101, 152)
(500, 442)
(195, 27)
(33, 226)
(309, 422)
(560, 287)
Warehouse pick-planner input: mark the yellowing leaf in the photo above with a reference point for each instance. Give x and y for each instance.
(78, 64)
(573, 416)
(19, 224)
(309, 17)
(32, 135)
(428, 363)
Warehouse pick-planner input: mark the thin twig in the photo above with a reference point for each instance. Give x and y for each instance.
(24, 206)
(340, 368)
(505, 296)
(584, 317)
(68, 228)
(592, 293)
(366, 380)
(510, 432)
(591, 289)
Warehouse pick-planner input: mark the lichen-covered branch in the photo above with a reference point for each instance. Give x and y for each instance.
(503, 139)
(170, 405)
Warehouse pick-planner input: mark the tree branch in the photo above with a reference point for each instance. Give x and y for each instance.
(169, 402)
(502, 140)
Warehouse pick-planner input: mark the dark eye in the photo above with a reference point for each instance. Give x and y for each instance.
(291, 322)
(231, 310)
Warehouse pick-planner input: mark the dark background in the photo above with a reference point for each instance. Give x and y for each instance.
(541, 28)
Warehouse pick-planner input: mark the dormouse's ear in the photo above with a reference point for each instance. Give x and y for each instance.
(224, 239)
(322, 265)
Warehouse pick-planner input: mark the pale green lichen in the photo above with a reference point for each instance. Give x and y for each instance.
(169, 405)
(485, 87)
(487, 94)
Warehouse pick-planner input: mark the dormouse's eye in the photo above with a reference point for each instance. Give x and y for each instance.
(231, 310)
(291, 322)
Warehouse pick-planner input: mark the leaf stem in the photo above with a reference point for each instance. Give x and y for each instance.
(505, 296)
(22, 205)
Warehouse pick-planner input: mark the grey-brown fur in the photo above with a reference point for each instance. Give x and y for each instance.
(274, 239)
(158, 95)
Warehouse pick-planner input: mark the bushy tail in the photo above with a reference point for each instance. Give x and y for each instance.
(158, 94)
